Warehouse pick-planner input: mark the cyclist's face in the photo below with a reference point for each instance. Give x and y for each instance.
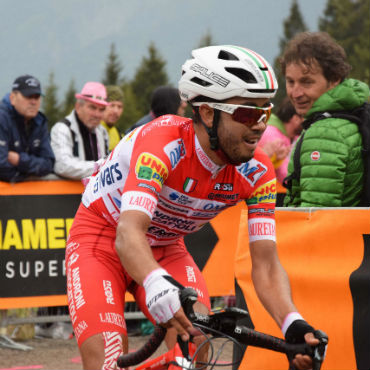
(89, 113)
(305, 84)
(239, 141)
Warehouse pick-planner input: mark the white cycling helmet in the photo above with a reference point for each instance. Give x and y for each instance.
(222, 72)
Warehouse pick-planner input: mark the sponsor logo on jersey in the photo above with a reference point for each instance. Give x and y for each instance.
(108, 176)
(173, 221)
(214, 207)
(218, 79)
(149, 167)
(159, 232)
(180, 198)
(172, 207)
(223, 186)
(266, 193)
(225, 197)
(252, 170)
(190, 185)
(175, 151)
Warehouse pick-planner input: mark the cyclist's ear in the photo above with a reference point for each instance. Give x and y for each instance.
(206, 114)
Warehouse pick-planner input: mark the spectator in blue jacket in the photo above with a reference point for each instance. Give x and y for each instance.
(24, 137)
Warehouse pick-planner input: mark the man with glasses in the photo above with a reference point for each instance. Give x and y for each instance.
(24, 138)
(78, 140)
(167, 179)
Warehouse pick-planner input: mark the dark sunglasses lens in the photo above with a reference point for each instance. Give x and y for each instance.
(250, 116)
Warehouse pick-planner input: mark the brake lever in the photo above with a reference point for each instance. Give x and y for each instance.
(319, 351)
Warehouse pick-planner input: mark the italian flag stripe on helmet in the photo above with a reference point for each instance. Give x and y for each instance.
(261, 63)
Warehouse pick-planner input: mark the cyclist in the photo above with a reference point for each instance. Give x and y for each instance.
(164, 180)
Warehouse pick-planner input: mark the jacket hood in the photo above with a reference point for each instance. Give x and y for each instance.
(347, 95)
(6, 101)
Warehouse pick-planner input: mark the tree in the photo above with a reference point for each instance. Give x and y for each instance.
(113, 68)
(348, 22)
(292, 25)
(206, 40)
(50, 102)
(150, 74)
(69, 99)
(131, 113)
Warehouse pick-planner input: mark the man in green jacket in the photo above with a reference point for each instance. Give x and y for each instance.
(315, 70)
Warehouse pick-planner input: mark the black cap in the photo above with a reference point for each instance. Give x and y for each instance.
(27, 85)
(165, 100)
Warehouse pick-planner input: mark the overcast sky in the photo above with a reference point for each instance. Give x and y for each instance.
(72, 37)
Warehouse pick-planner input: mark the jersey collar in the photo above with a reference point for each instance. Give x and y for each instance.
(206, 162)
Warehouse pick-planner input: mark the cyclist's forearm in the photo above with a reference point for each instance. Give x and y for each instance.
(271, 282)
(133, 248)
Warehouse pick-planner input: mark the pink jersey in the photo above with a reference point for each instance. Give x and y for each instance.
(161, 169)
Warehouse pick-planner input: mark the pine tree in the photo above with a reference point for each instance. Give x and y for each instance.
(113, 68)
(348, 22)
(69, 99)
(292, 25)
(50, 105)
(150, 74)
(131, 113)
(206, 40)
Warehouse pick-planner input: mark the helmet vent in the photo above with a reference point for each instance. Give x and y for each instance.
(225, 55)
(264, 69)
(200, 82)
(242, 74)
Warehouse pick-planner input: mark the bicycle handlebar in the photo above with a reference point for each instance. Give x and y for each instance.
(225, 322)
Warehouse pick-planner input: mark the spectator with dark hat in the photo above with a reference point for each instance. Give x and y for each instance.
(165, 100)
(24, 138)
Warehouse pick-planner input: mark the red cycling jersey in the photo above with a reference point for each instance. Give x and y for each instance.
(162, 170)
(159, 169)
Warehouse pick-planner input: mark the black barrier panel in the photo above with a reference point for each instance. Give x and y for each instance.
(32, 273)
(33, 231)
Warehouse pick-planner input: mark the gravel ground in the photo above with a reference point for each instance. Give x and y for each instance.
(55, 354)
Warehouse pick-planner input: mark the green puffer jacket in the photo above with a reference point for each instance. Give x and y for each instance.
(331, 162)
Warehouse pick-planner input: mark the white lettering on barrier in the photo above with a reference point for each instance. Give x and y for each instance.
(34, 269)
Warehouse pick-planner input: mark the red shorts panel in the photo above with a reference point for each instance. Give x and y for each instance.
(97, 282)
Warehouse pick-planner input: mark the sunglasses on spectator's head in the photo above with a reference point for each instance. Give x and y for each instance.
(246, 114)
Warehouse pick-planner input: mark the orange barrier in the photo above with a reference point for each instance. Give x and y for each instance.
(321, 251)
(35, 218)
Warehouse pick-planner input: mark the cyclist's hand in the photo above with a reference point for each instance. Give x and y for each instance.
(304, 362)
(163, 302)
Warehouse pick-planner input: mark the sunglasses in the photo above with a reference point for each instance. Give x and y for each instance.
(247, 114)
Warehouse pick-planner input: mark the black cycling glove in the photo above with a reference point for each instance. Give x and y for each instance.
(297, 330)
